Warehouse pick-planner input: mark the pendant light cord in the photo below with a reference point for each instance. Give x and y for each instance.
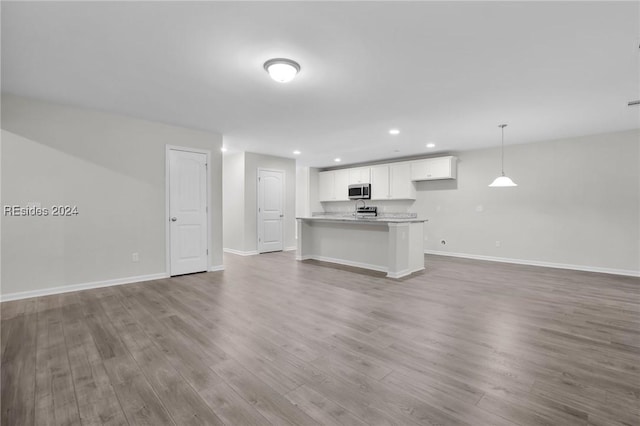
(502, 151)
(502, 126)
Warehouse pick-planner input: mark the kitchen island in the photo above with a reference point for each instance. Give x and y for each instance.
(388, 244)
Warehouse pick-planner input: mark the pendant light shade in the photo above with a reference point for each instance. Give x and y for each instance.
(502, 180)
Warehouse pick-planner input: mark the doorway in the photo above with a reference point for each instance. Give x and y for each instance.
(188, 210)
(270, 210)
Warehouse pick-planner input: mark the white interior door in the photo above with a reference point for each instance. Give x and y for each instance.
(270, 210)
(187, 212)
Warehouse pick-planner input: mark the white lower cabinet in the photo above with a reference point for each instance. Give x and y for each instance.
(333, 185)
(392, 182)
(434, 168)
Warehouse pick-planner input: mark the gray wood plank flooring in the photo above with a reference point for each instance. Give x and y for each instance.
(275, 341)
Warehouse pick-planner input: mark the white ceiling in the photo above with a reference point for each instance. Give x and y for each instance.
(447, 72)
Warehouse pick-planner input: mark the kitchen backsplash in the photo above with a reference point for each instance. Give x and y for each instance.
(383, 206)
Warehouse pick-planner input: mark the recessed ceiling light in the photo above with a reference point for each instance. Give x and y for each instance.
(296, 152)
(394, 132)
(431, 145)
(337, 160)
(223, 149)
(282, 70)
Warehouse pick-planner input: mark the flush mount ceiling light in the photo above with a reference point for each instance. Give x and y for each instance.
(337, 160)
(296, 152)
(282, 70)
(431, 145)
(503, 181)
(394, 132)
(223, 149)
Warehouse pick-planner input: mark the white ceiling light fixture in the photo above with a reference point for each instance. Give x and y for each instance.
(223, 149)
(394, 132)
(282, 70)
(502, 180)
(296, 152)
(431, 145)
(337, 160)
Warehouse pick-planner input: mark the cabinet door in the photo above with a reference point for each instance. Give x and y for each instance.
(365, 175)
(326, 186)
(380, 183)
(439, 168)
(433, 168)
(341, 187)
(359, 175)
(400, 185)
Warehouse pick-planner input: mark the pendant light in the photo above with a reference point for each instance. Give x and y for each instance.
(502, 180)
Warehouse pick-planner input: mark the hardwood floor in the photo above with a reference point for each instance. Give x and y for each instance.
(275, 341)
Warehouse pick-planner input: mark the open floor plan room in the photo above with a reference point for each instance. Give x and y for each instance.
(320, 213)
(274, 341)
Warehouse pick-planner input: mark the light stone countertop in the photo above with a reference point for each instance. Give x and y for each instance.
(345, 217)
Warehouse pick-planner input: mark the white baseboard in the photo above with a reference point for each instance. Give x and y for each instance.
(239, 252)
(404, 273)
(83, 286)
(626, 272)
(216, 268)
(290, 248)
(345, 262)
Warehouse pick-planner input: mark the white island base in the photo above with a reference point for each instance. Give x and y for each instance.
(392, 246)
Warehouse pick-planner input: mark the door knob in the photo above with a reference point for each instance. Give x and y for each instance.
(173, 219)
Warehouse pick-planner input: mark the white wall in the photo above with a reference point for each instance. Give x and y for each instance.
(113, 168)
(241, 186)
(303, 202)
(314, 196)
(576, 203)
(233, 201)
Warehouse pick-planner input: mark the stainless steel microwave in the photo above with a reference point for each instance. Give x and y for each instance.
(361, 191)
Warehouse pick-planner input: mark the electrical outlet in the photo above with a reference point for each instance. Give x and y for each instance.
(497, 243)
(135, 257)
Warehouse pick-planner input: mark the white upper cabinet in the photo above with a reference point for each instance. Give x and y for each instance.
(380, 182)
(434, 168)
(400, 185)
(333, 185)
(392, 182)
(359, 175)
(326, 186)
(342, 185)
